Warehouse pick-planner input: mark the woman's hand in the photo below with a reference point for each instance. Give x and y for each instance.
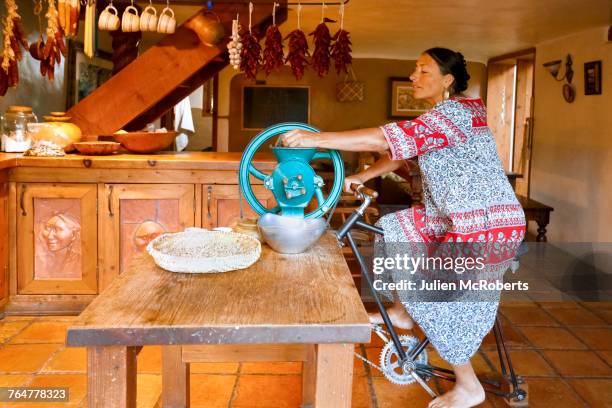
(354, 179)
(300, 138)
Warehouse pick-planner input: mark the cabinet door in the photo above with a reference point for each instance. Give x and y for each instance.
(56, 238)
(221, 204)
(132, 215)
(4, 241)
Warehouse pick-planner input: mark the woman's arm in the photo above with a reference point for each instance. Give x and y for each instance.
(382, 166)
(360, 140)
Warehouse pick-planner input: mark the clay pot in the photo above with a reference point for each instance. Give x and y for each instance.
(208, 27)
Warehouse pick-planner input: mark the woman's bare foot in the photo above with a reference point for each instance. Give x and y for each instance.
(398, 315)
(467, 392)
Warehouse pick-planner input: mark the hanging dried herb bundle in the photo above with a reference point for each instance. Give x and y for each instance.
(273, 51)
(298, 53)
(14, 39)
(54, 46)
(341, 51)
(322, 42)
(250, 54)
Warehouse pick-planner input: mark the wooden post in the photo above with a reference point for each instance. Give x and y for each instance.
(333, 382)
(111, 376)
(175, 378)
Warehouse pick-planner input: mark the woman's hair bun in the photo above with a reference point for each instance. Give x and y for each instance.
(451, 62)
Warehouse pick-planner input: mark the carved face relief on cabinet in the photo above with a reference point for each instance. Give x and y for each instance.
(145, 233)
(57, 230)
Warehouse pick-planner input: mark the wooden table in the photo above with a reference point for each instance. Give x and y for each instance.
(283, 308)
(538, 212)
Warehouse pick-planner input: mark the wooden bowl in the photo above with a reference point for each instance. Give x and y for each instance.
(97, 148)
(145, 142)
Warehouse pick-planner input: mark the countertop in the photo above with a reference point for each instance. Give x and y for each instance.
(164, 160)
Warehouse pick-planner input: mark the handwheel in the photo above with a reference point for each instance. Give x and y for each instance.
(293, 182)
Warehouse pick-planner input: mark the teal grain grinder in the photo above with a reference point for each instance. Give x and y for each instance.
(294, 184)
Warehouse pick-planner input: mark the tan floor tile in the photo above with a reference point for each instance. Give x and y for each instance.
(597, 393)
(578, 363)
(268, 391)
(280, 367)
(389, 395)
(358, 364)
(211, 391)
(552, 338)
(42, 332)
(148, 390)
(525, 363)
(361, 397)
(214, 368)
(605, 305)
(57, 318)
(551, 393)
(528, 316)
(18, 318)
(149, 360)
(606, 355)
(559, 305)
(14, 380)
(69, 359)
(11, 328)
(595, 338)
(512, 337)
(576, 317)
(605, 315)
(76, 384)
(25, 358)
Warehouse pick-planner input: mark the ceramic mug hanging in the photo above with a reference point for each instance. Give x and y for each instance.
(130, 21)
(148, 18)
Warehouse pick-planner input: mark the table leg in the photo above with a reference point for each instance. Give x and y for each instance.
(111, 376)
(541, 231)
(328, 376)
(175, 378)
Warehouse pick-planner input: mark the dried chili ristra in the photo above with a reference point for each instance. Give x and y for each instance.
(321, 54)
(14, 39)
(298, 54)
(250, 54)
(341, 51)
(54, 47)
(273, 51)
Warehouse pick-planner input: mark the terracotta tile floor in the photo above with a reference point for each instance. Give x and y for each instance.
(563, 350)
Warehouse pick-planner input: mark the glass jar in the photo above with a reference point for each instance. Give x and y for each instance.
(14, 128)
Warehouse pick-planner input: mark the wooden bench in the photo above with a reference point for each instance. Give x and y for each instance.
(538, 212)
(283, 308)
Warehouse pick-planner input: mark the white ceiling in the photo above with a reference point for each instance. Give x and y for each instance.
(479, 28)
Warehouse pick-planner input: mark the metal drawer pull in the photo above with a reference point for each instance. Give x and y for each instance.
(110, 201)
(208, 201)
(21, 199)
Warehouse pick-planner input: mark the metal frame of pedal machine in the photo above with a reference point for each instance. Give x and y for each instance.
(403, 358)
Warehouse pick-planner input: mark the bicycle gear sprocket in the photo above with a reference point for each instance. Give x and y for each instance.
(389, 360)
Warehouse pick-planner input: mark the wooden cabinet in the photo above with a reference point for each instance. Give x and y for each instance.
(4, 242)
(221, 204)
(56, 238)
(131, 215)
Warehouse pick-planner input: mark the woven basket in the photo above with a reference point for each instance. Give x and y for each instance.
(350, 90)
(197, 250)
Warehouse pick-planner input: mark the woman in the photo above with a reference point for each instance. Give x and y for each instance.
(467, 198)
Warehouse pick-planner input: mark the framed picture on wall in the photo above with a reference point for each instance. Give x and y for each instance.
(592, 78)
(401, 100)
(84, 74)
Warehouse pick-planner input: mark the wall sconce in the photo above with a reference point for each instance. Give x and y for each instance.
(553, 68)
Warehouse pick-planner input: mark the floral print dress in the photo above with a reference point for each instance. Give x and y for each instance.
(467, 198)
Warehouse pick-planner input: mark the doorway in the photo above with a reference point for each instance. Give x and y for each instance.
(510, 100)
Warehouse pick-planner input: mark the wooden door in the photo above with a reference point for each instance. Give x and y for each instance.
(132, 215)
(500, 108)
(4, 242)
(221, 204)
(523, 125)
(56, 238)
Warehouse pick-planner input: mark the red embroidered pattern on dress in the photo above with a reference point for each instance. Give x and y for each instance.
(478, 109)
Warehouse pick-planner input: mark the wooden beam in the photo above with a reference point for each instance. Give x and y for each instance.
(159, 72)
